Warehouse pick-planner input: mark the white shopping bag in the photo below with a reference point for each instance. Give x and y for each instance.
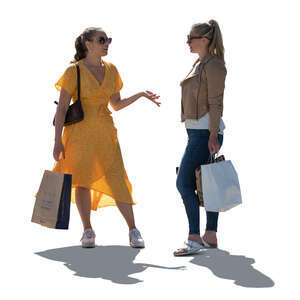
(220, 186)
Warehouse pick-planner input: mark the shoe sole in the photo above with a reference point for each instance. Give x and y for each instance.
(211, 246)
(207, 245)
(187, 253)
(88, 245)
(137, 246)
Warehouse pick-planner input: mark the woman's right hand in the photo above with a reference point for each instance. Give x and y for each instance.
(149, 95)
(58, 148)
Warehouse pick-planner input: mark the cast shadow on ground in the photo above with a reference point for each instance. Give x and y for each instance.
(113, 263)
(233, 267)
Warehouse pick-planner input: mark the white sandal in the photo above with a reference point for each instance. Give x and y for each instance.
(192, 247)
(208, 245)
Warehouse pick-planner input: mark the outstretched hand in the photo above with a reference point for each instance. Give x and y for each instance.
(149, 95)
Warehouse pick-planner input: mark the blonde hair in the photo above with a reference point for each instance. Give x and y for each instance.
(212, 32)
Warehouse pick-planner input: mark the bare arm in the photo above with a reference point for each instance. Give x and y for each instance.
(61, 110)
(117, 103)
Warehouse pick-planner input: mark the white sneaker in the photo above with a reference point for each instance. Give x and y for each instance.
(135, 239)
(88, 238)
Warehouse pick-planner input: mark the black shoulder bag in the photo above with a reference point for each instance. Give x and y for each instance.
(75, 112)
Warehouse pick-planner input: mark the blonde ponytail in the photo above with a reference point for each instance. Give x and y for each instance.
(211, 31)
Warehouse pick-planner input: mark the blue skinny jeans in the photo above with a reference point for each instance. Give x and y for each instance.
(196, 153)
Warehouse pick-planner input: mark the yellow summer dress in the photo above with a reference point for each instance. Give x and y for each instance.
(92, 151)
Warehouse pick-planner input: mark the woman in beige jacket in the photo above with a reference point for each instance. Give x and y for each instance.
(201, 110)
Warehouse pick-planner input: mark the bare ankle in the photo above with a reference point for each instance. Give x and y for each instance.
(87, 227)
(131, 227)
(210, 232)
(195, 238)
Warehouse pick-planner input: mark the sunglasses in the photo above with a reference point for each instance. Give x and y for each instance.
(102, 40)
(190, 37)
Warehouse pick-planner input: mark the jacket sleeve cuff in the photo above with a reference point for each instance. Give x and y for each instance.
(214, 120)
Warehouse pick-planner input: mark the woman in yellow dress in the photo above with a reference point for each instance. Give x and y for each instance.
(89, 149)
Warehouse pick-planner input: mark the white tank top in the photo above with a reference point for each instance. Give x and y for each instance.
(202, 123)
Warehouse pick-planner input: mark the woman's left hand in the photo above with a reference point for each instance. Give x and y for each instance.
(213, 144)
(149, 95)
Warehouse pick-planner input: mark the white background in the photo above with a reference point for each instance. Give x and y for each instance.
(258, 241)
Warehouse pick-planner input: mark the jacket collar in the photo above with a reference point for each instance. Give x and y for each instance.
(205, 59)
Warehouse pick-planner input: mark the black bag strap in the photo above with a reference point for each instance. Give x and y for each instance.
(78, 81)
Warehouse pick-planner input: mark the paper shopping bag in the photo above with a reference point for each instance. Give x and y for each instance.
(199, 179)
(199, 185)
(220, 186)
(52, 205)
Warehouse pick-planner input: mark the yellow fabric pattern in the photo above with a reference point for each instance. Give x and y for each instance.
(92, 151)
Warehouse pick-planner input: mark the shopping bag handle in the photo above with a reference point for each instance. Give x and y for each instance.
(212, 157)
(59, 165)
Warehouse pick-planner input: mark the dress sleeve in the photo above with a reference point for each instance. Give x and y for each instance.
(68, 81)
(118, 83)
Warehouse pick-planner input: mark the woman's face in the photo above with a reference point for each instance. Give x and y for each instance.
(98, 47)
(195, 44)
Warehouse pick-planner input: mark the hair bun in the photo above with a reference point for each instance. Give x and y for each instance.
(212, 23)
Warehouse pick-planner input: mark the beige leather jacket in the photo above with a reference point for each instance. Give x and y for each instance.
(200, 96)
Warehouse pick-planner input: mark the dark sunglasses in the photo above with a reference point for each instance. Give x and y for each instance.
(102, 40)
(190, 37)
